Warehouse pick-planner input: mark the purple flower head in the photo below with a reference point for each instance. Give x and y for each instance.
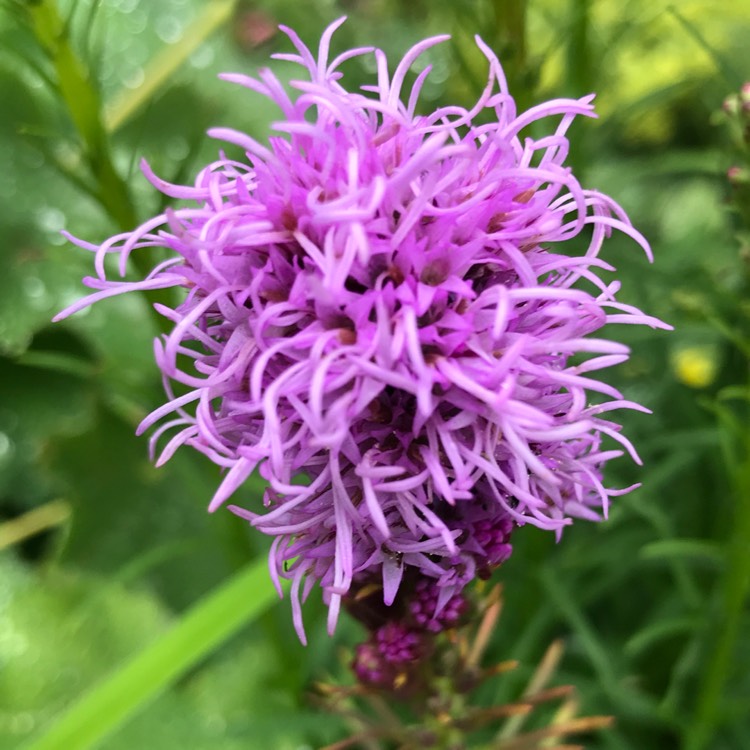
(375, 300)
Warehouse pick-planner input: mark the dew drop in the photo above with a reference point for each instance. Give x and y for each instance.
(168, 29)
(124, 6)
(36, 292)
(137, 22)
(202, 57)
(177, 148)
(34, 287)
(22, 723)
(69, 297)
(133, 78)
(50, 219)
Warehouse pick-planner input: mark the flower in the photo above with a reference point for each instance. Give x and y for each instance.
(375, 300)
(695, 366)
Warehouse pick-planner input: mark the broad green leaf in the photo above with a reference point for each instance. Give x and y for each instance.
(36, 282)
(166, 62)
(63, 631)
(50, 650)
(135, 684)
(39, 406)
(124, 507)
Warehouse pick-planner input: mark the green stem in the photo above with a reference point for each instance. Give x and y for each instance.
(82, 101)
(579, 63)
(511, 18)
(732, 599)
(510, 26)
(197, 634)
(580, 76)
(83, 104)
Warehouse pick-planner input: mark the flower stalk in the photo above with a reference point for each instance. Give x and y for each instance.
(734, 591)
(78, 91)
(83, 104)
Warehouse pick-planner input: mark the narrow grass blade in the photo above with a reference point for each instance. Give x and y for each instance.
(693, 550)
(731, 75)
(654, 634)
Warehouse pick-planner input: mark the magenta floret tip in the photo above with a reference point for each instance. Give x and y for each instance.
(375, 300)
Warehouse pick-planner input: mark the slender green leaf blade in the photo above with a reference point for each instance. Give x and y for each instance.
(691, 549)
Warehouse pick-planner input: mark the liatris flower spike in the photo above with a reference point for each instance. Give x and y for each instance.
(374, 300)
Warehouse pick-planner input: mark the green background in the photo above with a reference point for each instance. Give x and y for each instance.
(103, 557)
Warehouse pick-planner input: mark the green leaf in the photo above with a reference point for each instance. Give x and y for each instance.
(734, 393)
(35, 281)
(58, 362)
(659, 631)
(135, 684)
(37, 409)
(51, 648)
(124, 507)
(166, 63)
(697, 550)
(602, 658)
(62, 630)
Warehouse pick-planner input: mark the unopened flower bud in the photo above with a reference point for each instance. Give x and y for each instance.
(398, 644)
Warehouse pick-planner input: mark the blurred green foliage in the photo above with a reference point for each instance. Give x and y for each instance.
(651, 604)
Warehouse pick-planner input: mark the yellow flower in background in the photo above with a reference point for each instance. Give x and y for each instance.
(695, 366)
